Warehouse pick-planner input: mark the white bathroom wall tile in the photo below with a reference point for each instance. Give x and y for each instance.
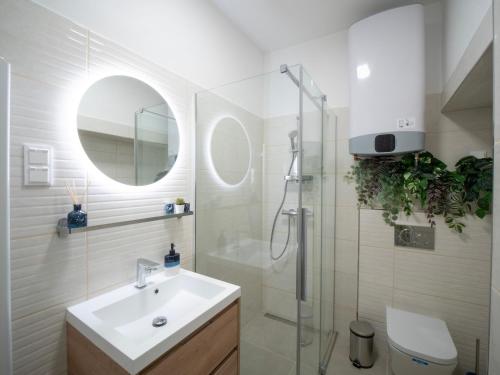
(276, 130)
(346, 286)
(39, 345)
(375, 232)
(346, 223)
(494, 352)
(346, 256)
(373, 299)
(346, 192)
(474, 243)
(432, 113)
(495, 332)
(376, 265)
(329, 157)
(46, 271)
(328, 261)
(113, 253)
(448, 277)
(281, 276)
(495, 277)
(451, 146)
(329, 189)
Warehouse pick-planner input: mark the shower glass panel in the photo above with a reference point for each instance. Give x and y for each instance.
(263, 218)
(156, 145)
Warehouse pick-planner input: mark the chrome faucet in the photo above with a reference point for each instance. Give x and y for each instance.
(144, 268)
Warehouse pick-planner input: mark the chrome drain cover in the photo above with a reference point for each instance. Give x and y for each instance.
(159, 321)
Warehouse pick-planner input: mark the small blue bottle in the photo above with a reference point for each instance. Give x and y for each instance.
(77, 218)
(169, 208)
(172, 261)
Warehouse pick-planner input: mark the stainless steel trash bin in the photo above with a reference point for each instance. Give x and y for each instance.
(361, 348)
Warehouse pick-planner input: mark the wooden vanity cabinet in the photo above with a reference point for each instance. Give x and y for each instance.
(213, 349)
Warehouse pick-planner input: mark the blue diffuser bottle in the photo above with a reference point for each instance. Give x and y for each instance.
(77, 218)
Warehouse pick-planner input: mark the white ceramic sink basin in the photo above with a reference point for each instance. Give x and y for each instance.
(120, 322)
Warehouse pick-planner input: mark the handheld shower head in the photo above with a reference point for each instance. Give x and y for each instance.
(293, 137)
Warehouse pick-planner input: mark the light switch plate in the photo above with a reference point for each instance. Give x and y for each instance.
(38, 156)
(38, 176)
(37, 165)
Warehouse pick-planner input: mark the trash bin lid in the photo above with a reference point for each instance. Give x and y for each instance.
(362, 329)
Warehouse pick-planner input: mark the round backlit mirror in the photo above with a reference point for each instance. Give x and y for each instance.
(230, 151)
(128, 130)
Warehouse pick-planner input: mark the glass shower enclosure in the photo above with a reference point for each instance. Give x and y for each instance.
(265, 215)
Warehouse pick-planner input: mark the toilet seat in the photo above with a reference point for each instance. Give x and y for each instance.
(420, 336)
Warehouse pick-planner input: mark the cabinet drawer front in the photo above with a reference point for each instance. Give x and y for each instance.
(230, 365)
(201, 353)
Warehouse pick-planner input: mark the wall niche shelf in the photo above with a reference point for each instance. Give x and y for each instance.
(471, 83)
(64, 231)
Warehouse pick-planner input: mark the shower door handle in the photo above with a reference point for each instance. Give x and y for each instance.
(302, 258)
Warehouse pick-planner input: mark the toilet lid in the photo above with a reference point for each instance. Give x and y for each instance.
(421, 336)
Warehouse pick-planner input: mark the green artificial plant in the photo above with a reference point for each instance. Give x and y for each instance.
(421, 181)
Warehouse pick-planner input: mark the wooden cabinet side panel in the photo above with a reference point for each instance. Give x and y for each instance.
(204, 351)
(86, 358)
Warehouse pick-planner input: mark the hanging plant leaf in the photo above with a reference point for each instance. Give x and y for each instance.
(397, 184)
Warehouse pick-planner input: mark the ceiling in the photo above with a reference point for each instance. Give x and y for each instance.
(276, 24)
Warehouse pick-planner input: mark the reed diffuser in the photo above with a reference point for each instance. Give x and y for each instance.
(76, 218)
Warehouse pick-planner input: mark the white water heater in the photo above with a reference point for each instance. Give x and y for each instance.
(387, 82)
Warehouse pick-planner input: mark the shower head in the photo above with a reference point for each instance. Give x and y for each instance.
(293, 137)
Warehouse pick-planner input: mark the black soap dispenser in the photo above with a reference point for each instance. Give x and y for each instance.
(172, 261)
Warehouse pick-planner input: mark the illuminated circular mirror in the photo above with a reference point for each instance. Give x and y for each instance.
(230, 151)
(128, 130)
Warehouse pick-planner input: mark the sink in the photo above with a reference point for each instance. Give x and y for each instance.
(120, 322)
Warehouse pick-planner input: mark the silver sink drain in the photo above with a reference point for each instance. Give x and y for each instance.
(159, 321)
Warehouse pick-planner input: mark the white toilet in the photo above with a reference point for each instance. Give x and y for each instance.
(419, 345)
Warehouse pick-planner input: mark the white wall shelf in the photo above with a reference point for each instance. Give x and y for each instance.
(471, 83)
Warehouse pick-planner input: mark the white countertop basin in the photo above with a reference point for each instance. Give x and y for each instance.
(120, 322)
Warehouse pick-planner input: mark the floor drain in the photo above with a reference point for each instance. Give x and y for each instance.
(159, 321)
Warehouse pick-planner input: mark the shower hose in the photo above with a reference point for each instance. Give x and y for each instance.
(278, 213)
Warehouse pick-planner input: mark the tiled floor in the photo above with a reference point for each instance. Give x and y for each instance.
(341, 365)
(268, 347)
